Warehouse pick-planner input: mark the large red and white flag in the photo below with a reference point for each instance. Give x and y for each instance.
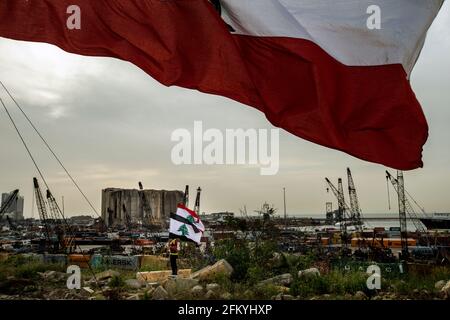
(314, 67)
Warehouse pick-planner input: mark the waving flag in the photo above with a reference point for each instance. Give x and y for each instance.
(314, 67)
(185, 224)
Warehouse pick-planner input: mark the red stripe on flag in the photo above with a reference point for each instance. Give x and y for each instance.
(191, 212)
(368, 112)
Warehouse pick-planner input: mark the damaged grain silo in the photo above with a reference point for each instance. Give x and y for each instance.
(143, 207)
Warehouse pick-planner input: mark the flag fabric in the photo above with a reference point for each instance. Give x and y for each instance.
(186, 225)
(313, 67)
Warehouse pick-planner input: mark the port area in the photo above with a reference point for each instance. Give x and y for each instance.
(259, 257)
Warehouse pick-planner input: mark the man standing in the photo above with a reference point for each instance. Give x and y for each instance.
(174, 248)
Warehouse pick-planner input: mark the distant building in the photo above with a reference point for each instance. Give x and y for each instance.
(82, 221)
(217, 216)
(158, 204)
(15, 210)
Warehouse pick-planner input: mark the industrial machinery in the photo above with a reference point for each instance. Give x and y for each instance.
(186, 196)
(405, 207)
(354, 203)
(197, 201)
(42, 210)
(399, 187)
(343, 209)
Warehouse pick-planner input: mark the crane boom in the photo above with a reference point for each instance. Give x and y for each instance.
(55, 212)
(42, 209)
(186, 196)
(409, 209)
(197, 201)
(402, 213)
(342, 206)
(354, 203)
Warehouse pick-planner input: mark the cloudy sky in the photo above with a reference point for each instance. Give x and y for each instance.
(111, 124)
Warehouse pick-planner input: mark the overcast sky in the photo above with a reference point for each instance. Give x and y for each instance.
(111, 125)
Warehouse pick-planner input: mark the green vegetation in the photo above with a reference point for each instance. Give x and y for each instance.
(26, 267)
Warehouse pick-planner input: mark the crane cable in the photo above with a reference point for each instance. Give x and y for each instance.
(51, 151)
(40, 173)
(57, 159)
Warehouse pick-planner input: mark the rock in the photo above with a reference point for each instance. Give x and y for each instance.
(416, 291)
(151, 285)
(106, 275)
(326, 296)
(360, 296)
(210, 295)
(212, 287)
(439, 285)
(88, 290)
(446, 290)
(177, 286)
(377, 298)
(98, 297)
(279, 296)
(47, 274)
(197, 291)
(287, 297)
(348, 296)
(160, 294)
(134, 284)
(309, 273)
(133, 297)
(281, 289)
(281, 280)
(211, 272)
(226, 296)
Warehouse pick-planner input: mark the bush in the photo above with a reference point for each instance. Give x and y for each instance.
(116, 282)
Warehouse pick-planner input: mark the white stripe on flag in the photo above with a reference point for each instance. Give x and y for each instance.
(176, 228)
(340, 27)
(183, 213)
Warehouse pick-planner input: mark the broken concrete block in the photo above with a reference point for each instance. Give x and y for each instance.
(197, 291)
(160, 294)
(134, 283)
(210, 272)
(160, 276)
(175, 286)
(439, 285)
(309, 273)
(212, 287)
(88, 290)
(281, 280)
(106, 274)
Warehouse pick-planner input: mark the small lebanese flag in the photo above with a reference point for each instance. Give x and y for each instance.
(186, 225)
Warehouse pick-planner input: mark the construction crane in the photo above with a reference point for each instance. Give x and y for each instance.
(343, 208)
(59, 223)
(8, 202)
(399, 187)
(54, 211)
(354, 203)
(42, 209)
(197, 201)
(186, 196)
